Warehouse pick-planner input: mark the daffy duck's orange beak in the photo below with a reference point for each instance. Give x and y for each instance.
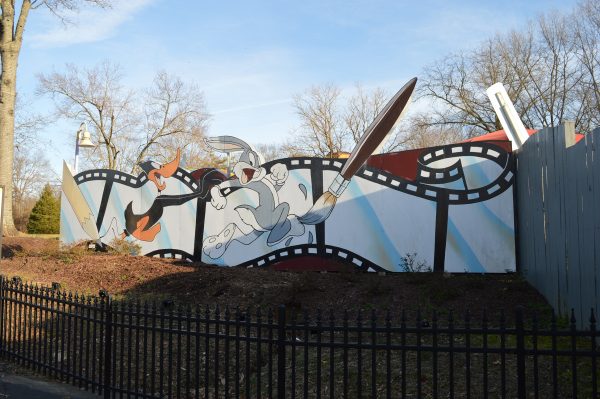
(165, 171)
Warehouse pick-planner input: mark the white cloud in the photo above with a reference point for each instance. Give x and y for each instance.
(88, 25)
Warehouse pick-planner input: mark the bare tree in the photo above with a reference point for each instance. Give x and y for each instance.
(587, 50)
(362, 109)
(271, 152)
(172, 112)
(196, 154)
(321, 130)
(31, 172)
(31, 169)
(541, 67)
(168, 114)
(329, 125)
(97, 97)
(419, 132)
(12, 28)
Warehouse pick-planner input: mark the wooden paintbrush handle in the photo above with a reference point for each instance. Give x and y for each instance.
(378, 130)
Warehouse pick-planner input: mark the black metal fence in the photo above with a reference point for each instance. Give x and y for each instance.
(145, 350)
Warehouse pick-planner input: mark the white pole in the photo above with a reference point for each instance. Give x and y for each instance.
(76, 153)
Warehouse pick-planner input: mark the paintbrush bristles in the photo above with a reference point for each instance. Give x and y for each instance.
(320, 210)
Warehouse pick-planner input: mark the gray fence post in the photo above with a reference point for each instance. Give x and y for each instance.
(281, 352)
(520, 331)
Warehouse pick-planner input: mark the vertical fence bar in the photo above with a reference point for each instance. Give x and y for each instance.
(188, 341)
(179, 337)
(388, 355)
(573, 333)
(28, 318)
(8, 320)
(153, 349)
(216, 365)
(306, 339)
(593, 347)
(198, 363)
(14, 321)
(331, 355)
(95, 335)
(373, 354)
(69, 316)
(451, 354)
(434, 357)
(227, 327)
(468, 353)
(100, 321)
(319, 350)
(75, 316)
(359, 354)
(19, 320)
(145, 350)
(403, 354)
(258, 353)
(294, 340)
(170, 354)
(345, 354)
(121, 309)
(554, 357)
(207, 354)
(138, 325)
(535, 357)
(281, 352)
(484, 327)
(108, 347)
(237, 352)
(270, 349)
(161, 358)
(503, 354)
(520, 335)
(418, 337)
(87, 340)
(247, 354)
(37, 329)
(64, 353)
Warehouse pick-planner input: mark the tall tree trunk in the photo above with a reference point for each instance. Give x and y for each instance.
(11, 37)
(9, 56)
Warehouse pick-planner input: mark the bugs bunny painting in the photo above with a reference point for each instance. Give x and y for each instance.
(270, 217)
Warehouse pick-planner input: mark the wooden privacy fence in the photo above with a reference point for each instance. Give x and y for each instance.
(558, 212)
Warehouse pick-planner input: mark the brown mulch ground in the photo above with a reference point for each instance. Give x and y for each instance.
(39, 261)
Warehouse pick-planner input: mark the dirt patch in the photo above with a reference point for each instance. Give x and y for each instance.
(39, 261)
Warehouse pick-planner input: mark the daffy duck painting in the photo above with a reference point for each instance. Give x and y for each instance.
(146, 226)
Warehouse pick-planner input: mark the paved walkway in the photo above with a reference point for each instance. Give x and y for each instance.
(18, 386)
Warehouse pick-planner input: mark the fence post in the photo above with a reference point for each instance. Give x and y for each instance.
(107, 348)
(281, 352)
(520, 331)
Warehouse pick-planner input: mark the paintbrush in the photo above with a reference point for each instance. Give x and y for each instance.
(368, 143)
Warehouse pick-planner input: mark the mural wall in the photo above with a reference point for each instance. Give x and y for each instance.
(455, 214)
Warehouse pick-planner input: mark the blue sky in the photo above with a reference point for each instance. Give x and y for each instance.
(251, 57)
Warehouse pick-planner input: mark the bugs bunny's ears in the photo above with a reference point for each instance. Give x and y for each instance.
(227, 144)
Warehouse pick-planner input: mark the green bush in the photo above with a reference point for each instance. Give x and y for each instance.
(45, 215)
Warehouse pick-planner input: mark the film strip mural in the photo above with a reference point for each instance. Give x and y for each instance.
(456, 215)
